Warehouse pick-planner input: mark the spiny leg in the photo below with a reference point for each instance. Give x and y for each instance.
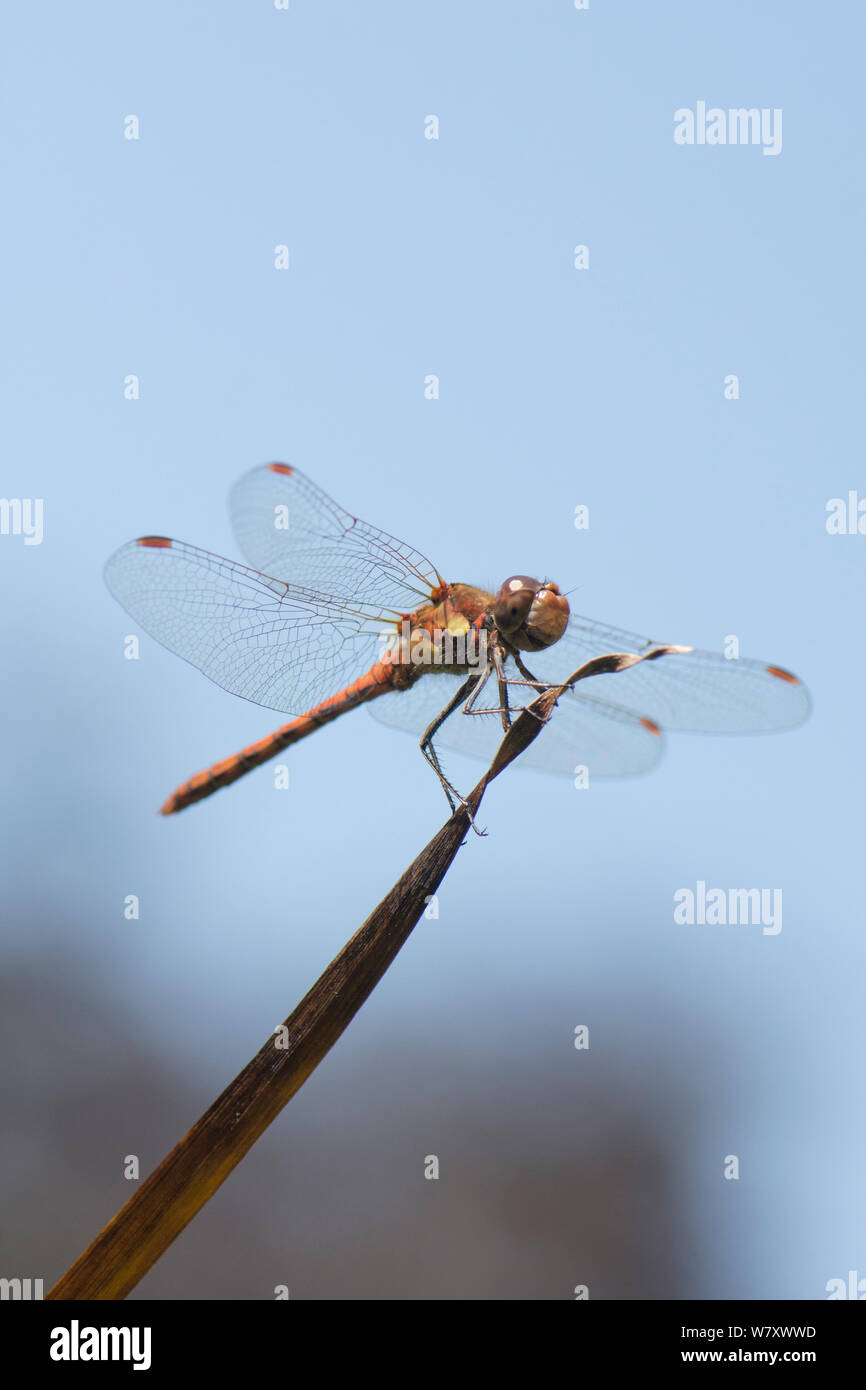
(503, 708)
(468, 691)
(426, 744)
(502, 684)
(533, 680)
(480, 683)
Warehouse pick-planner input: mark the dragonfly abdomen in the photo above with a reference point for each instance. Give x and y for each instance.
(379, 680)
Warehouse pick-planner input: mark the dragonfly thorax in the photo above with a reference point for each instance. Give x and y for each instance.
(530, 615)
(448, 635)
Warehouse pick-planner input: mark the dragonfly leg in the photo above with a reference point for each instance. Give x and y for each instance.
(502, 684)
(480, 682)
(539, 685)
(468, 693)
(503, 709)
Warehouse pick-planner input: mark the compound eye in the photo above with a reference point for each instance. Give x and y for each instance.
(548, 618)
(513, 602)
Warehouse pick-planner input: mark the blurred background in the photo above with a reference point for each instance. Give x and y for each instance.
(408, 257)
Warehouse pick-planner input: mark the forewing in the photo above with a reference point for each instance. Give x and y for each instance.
(689, 692)
(286, 526)
(612, 722)
(270, 642)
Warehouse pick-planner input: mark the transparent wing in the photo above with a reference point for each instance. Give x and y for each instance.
(607, 721)
(691, 692)
(276, 644)
(608, 740)
(286, 526)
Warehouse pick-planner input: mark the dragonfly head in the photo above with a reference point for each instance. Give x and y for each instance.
(530, 615)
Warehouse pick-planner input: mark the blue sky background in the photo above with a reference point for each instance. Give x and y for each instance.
(605, 387)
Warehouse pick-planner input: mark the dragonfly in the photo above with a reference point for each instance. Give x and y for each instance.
(332, 613)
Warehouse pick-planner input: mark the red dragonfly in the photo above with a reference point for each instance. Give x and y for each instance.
(337, 613)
